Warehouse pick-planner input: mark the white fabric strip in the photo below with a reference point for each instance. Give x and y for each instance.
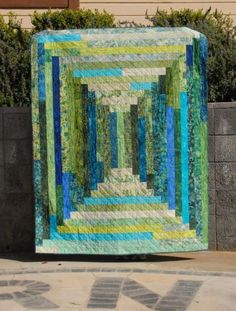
(108, 86)
(123, 214)
(116, 100)
(151, 34)
(143, 71)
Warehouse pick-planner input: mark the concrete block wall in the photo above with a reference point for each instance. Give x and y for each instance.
(222, 175)
(16, 190)
(16, 186)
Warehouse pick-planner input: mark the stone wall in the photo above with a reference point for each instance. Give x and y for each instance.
(16, 189)
(222, 176)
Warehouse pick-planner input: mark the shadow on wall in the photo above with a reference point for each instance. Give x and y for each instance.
(16, 190)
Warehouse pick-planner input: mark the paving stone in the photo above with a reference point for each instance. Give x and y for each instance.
(6, 296)
(188, 283)
(101, 290)
(109, 286)
(140, 293)
(32, 292)
(101, 306)
(225, 121)
(25, 282)
(40, 289)
(110, 280)
(18, 295)
(184, 289)
(41, 302)
(107, 270)
(92, 270)
(14, 282)
(103, 299)
(225, 148)
(101, 287)
(170, 308)
(149, 298)
(155, 271)
(97, 295)
(177, 303)
(173, 298)
(39, 285)
(47, 271)
(132, 289)
(78, 270)
(123, 270)
(139, 270)
(169, 272)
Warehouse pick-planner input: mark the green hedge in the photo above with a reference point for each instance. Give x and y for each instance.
(14, 64)
(221, 35)
(15, 47)
(72, 19)
(15, 78)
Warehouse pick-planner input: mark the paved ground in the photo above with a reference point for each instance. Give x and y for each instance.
(191, 281)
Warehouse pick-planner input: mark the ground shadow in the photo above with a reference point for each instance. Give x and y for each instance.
(33, 257)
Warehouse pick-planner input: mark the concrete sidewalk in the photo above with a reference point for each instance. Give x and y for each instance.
(168, 282)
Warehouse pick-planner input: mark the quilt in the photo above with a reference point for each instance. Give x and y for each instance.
(120, 140)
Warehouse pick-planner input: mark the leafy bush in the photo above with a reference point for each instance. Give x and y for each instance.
(72, 19)
(15, 80)
(221, 35)
(14, 64)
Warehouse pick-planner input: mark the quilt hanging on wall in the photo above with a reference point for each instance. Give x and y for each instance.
(120, 140)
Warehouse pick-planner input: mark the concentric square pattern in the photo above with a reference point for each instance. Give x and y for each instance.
(120, 140)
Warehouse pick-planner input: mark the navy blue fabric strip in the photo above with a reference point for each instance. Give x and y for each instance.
(56, 116)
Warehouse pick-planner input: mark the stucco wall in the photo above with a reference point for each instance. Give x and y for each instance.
(134, 10)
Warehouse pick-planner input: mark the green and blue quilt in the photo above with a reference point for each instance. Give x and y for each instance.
(120, 140)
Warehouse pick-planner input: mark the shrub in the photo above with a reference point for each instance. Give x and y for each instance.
(221, 35)
(15, 80)
(72, 19)
(14, 64)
